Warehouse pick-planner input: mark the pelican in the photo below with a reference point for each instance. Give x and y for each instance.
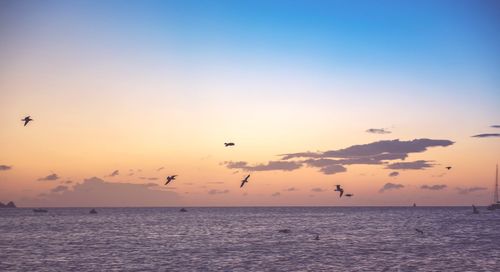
(170, 178)
(338, 189)
(26, 120)
(245, 180)
(228, 144)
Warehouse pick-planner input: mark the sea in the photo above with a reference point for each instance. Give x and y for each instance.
(251, 239)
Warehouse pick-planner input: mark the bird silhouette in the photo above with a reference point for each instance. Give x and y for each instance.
(26, 120)
(228, 144)
(448, 167)
(170, 178)
(245, 180)
(339, 189)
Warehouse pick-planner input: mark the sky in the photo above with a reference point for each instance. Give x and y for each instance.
(378, 96)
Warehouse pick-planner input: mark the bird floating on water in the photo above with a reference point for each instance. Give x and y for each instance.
(170, 178)
(26, 120)
(339, 189)
(228, 144)
(245, 180)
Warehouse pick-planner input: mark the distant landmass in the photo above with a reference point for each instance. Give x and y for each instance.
(8, 205)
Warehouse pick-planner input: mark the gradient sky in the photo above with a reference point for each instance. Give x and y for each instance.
(135, 86)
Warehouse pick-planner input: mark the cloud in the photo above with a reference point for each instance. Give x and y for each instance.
(389, 147)
(270, 166)
(415, 165)
(495, 126)
(95, 192)
(152, 178)
(378, 131)
(276, 194)
(464, 191)
(333, 169)
(291, 189)
(49, 177)
(486, 135)
(217, 192)
(436, 187)
(215, 182)
(60, 188)
(161, 168)
(318, 190)
(5, 167)
(67, 182)
(115, 173)
(394, 174)
(391, 186)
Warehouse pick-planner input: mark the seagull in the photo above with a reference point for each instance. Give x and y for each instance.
(228, 144)
(419, 231)
(245, 180)
(448, 167)
(349, 195)
(170, 178)
(338, 189)
(26, 120)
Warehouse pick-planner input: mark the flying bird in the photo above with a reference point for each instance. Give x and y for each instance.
(170, 178)
(228, 144)
(448, 167)
(338, 189)
(349, 195)
(245, 180)
(26, 120)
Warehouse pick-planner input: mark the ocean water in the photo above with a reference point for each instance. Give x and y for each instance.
(247, 239)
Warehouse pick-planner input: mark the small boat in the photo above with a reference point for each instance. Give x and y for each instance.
(496, 203)
(93, 211)
(40, 210)
(474, 210)
(182, 210)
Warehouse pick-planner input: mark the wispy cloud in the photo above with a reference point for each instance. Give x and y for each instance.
(378, 131)
(5, 167)
(114, 173)
(160, 168)
(217, 192)
(146, 178)
(291, 189)
(464, 191)
(415, 165)
(486, 135)
(333, 169)
(391, 186)
(270, 166)
(49, 177)
(318, 190)
(394, 174)
(436, 187)
(276, 194)
(60, 188)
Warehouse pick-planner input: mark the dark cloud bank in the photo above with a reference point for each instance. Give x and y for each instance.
(486, 135)
(5, 167)
(95, 192)
(335, 161)
(436, 187)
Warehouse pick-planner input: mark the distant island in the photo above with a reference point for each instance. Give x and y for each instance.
(8, 205)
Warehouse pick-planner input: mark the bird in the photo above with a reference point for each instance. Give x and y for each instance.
(170, 178)
(26, 120)
(419, 231)
(338, 189)
(448, 167)
(349, 195)
(245, 180)
(228, 144)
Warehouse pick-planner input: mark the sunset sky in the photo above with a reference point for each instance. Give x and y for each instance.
(124, 93)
